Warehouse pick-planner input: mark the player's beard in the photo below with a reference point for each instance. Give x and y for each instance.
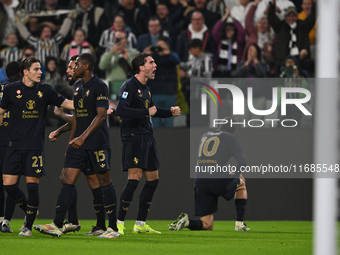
(71, 82)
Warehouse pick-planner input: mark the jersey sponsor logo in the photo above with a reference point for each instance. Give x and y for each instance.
(30, 105)
(125, 94)
(81, 103)
(40, 94)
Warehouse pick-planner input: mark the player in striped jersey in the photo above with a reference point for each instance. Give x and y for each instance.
(107, 38)
(12, 52)
(46, 45)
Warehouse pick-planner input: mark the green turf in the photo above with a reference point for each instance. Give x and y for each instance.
(265, 237)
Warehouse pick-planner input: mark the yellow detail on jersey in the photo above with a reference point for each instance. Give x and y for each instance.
(29, 212)
(81, 103)
(40, 94)
(19, 96)
(109, 212)
(147, 103)
(102, 165)
(38, 171)
(135, 160)
(140, 95)
(125, 208)
(75, 93)
(87, 93)
(30, 105)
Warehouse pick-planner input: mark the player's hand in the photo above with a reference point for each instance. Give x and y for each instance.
(152, 110)
(53, 136)
(58, 111)
(77, 142)
(109, 111)
(175, 110)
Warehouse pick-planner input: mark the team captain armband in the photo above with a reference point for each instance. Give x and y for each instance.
(125, 94)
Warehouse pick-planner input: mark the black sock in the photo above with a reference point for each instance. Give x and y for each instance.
(126, 198)
(145, 199)
(63, 203)
(195, 224)
(72, 210)
(2, 198)
(17, 195)
(98, 207)
(32, 203)
(110, 205)
(9, 208)
(240, 208)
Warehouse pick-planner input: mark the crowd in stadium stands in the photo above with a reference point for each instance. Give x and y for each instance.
(188, 38)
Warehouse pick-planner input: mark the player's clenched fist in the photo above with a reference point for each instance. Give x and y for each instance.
(152, 110)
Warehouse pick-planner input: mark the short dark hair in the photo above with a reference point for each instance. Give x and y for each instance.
(13, 70)
(27, 63)
(195, 43)
(74, 57)
(228, 126)
(164, 39)
(154, 18)
(139, 60)
(88, 59)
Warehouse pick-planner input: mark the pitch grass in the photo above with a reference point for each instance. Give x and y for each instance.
(265, 237)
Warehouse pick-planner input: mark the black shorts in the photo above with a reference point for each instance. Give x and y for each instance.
(206, 195)
(90, 162)
(140, 151)
(27, 163)
(2, 156)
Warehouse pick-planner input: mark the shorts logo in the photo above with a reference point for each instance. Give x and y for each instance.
(125, 94)
(109, 212)
(29, 212)
(125, 208)
(102, 165)
(135, 160)
(40, 94)
(30, 105)
(38, 171)
(96, 211)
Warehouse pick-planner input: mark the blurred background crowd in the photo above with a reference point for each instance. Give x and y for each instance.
(187, 39)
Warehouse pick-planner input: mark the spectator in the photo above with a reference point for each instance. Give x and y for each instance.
(150, 39)
(251, 68)
(7, 19)
(12, 52)
(46, 45)
(196, 29)
(230, 38)
(280, 9)
(135, 16)
(209, 17)
(117, 63)
(306, 10)
(217, 7)
(164, 86)
(262, 35)
(54, 22)
(170, 25)
(293, 77)
(200, 66)
(91, 19)
(291, 34)
(77, 46)
(239, 12)
(107, 37)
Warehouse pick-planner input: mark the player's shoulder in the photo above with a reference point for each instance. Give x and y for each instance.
(130, 84)
(11, 85)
